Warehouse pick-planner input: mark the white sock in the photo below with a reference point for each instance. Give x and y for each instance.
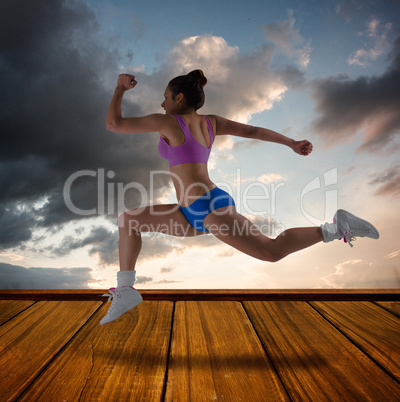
(126, 278)
(330, 232)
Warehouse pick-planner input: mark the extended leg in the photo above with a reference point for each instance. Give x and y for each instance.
(234, 229)
(296, 239)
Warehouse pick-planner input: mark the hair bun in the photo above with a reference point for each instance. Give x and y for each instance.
(199, 76)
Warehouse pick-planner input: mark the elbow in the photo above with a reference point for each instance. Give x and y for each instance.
(111, 125)
(252, 132)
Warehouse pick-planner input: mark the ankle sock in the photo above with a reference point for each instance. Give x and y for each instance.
(126, 278)
(330, 232)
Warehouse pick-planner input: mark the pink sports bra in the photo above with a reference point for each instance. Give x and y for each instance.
(188, 152)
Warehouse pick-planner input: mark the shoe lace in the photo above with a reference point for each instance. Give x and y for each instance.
(113, 293)
(348, 237)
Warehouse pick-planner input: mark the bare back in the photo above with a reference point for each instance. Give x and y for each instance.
(191, 180)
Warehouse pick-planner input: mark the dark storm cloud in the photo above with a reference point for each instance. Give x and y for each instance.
(103, 244)
(15, 226)
(367, 104)
(52, 117)
(16, 277)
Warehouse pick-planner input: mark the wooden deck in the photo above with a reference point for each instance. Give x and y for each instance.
(201, 346)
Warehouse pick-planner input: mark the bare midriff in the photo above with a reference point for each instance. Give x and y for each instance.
(191, 181)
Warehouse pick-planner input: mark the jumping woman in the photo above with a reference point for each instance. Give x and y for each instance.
(186, 139)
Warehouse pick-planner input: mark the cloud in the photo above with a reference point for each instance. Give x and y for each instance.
(143, 279)
(358, 274)
(16, 225)
(377, 34)
(164, 282)
(368, 105)
(239, 84)
(268, 178)
(288, 39)
(52, 83)
(155, 247)
(12, 257)
(388, 182)
(17, 277)
(165, 270)
(101, 243)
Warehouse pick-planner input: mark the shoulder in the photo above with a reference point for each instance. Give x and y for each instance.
(217, 120)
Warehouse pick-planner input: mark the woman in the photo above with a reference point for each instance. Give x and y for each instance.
(186, 139)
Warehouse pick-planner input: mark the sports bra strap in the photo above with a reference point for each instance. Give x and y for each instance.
(210, 129)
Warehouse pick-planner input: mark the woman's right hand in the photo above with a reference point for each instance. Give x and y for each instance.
(126, 81)
(303, 147)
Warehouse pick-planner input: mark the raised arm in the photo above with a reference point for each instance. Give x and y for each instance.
(129, 125)
(225, 126)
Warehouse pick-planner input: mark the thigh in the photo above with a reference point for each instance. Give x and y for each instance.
(165, 218)
(237, 231)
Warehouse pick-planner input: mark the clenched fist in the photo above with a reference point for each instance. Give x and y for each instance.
(126, 81)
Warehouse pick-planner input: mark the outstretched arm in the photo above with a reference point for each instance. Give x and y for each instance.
(225, 126)
(131, 125)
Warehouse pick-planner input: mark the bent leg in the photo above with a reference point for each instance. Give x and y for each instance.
(234, 229)
(166, 219)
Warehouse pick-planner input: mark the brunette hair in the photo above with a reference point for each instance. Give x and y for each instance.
(191, 86)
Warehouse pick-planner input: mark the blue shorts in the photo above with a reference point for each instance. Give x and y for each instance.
(197, 211)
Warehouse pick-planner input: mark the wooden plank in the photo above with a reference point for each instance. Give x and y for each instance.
(124, 360)
(32, 339)
(212, 294)
(375, 330)
(216, 355)
(11, 308)
(393, 307)
(315, 361)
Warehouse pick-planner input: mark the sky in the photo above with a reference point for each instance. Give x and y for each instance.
(327, 71)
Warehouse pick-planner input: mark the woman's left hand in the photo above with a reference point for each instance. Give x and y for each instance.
(303, 147)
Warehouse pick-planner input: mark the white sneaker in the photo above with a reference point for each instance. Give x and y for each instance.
(350, 226)
(123, 299)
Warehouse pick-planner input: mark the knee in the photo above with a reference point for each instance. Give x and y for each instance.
(127, 222)
(272, 255)
(122, 220)
(275, 257)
